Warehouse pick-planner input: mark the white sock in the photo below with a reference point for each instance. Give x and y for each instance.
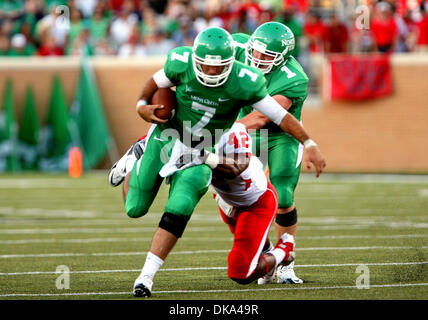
(151, 266)
(279, 255)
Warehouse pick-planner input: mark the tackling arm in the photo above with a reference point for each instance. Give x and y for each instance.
(230, 167)
(222, 166)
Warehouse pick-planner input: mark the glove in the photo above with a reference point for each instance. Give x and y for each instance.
(190, 159)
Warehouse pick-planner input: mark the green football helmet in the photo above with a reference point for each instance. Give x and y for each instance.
(214, 47)
(272, 39)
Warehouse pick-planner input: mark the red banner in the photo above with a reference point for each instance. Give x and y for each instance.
(359, 77)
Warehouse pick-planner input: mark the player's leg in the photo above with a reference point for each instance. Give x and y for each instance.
(245, 261)
(285, 156)
(143, 182)
(260, 149)
(231, 219)
(162, 242)
(187, 188)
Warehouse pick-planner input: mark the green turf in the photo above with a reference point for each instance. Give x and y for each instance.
(344, 221)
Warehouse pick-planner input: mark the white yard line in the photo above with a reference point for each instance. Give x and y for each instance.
(214, 268)
(398, 236)
(210, 219)
(364, 178)
(95, 230)
(94, 240)
(38, 183)
(423, 193)
(121, 219)
(99, 254)
(323, 223)
(338, 178)
(210, 291)
(356, 199)
(219, 227)
(49, 213)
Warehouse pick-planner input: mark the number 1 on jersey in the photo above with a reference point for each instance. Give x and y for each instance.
(290, 74)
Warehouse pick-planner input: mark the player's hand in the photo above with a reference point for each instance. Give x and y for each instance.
(147, 112)
(315, 157)
(193, 158)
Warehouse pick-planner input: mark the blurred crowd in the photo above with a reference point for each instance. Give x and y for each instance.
(153, 27)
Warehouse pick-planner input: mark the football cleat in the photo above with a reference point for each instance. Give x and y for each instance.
(143, 287)
(286, 275)
(119, 170)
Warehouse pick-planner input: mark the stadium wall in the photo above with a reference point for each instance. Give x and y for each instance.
(383, 135)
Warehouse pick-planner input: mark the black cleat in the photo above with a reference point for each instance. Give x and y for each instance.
(141, 290)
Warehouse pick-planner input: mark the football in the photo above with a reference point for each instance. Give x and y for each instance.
(165, 97)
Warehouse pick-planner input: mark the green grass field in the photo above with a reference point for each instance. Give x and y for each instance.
(344, 221)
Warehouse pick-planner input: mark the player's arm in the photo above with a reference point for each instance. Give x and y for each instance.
(146, 110)
(288, 123)
(230, 167)
(256, 119)
(224, 166)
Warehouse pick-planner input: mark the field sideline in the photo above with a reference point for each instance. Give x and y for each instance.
(380, 221)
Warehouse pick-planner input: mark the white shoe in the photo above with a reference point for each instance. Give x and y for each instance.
(118, 171)
(143, 287)
(285, 274)
(124, 165)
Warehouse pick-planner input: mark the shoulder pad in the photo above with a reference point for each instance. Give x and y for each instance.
(240, 39)
(247, 81)
(240, 42)
(179, 58)
(246, 74)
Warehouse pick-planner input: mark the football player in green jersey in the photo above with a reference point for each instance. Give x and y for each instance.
(211, 87)
(268, 49)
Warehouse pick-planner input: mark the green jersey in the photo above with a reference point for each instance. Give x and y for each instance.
(201, 109)
(289, 80)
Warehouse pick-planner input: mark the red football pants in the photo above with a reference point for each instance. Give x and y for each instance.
(250, 227)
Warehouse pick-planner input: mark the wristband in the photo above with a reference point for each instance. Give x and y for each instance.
(141, 102)
(309, 144)
(212, 160)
